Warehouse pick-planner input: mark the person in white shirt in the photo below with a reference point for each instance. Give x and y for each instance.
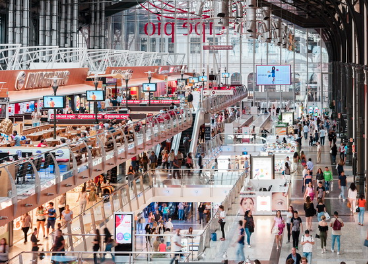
(306, 130)
(107, 102)
(176, 245)
(307, 242)
(36, 117)
(319, 152)
(222, 216)
(352, 196)
(322, 135)
(169, 225)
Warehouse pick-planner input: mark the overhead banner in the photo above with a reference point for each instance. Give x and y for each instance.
(91, 116)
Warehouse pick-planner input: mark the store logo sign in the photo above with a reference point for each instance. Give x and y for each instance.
(40, 79)
(122, 72)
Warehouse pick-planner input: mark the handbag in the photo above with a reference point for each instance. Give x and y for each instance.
(317, 236)
(348, 204)
(366, 243)
(328, 217)
(220, 221)
(357, 209)
(275, 230)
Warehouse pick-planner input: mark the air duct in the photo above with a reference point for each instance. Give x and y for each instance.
(251, 3)
(238, 10)
(224, 13)
(251, 20)
(199, 9)
(266, 13)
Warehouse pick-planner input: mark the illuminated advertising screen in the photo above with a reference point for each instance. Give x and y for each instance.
(95, 95)
(262, 167)
(202, 78)
(149, 87)
(51, 102)
(123, 228)
(193, 79)
(287, 117)
(225, 75)
(273, 74)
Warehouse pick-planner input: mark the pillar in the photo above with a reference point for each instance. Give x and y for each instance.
(347, 96)
(359, 124)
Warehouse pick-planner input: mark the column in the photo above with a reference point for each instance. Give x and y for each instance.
(359, 125)
(347, 98)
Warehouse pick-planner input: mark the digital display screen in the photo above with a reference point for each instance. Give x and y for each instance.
(225, 75)
(53, 102)
(149, 87)
(95, 95)
(183, 81)
(202, 78)
(123, 228)
(193, 79)
(273, 74)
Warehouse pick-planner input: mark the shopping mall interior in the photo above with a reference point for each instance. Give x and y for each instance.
(183, 131)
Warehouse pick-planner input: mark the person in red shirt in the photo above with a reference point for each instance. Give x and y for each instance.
(42, 144)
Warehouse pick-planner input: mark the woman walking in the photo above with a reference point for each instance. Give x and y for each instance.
(221, 220)
(309, 191)
(165, 160)
(323, 228)
(289, 215)
(321, 209)
(287, 172)
(109, 242)
(131, 174)
(248, 225)
(361, 205)
(82, 198)
(352, 195)
(26, 224)
(320, 177)
(340, 166)
(41, 219)
(67, 215)
(334, 153)
(278, 228)
(96, 245)
(309, 212)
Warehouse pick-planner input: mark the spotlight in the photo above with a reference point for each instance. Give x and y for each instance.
(251, 3)
(266, 13)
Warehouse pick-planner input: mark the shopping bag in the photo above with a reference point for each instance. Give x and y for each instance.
(327, 216)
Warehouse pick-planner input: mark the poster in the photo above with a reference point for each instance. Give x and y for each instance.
(287, 117)
(273, 74)
(262, 168)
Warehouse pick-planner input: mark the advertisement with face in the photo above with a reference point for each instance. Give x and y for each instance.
(248, 202)
(279, 201)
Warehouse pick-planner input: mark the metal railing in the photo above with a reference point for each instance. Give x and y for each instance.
(94, 155)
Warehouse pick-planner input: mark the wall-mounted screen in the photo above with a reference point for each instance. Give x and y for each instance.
(202, 78)
(193, 79)
(51, 102)
(225, 75)
(149, 87)
(273, 74)
(95, 95)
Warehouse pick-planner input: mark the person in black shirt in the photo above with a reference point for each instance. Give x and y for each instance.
(35, 247)
(157, 216)
(342, 185)
(82, 109)
(96, 245)
(59, 244)
(296, 227)
(201, 209)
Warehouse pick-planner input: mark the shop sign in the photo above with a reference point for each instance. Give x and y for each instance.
(40, 79)
(78, 116)
(168, 29)
(59, 116)
(218, 92)
(217, 47)
(116, 116)
(122, 72)
(153, 101)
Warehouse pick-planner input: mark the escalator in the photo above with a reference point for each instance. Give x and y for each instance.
(178, 139)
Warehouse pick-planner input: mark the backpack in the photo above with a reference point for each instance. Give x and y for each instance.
(337, 225)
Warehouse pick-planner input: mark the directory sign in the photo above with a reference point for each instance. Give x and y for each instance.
(149, 87)
(52, 102)
(225, 75)
(273, 74)
(95, 95)
(202, 78)
(123, 228)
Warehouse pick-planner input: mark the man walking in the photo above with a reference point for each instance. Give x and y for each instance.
(296, 226)
(294, 256)
(153, 160)
(322, 135)
(327, 174)
(307, 242)
(51, 213)
(35, 247)
(342, 185)
(190, 100)
(200, 163)
(336, 224)
(176, 245)
(240, 244)
(310, 166)
(186, 143)
(306, 131)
